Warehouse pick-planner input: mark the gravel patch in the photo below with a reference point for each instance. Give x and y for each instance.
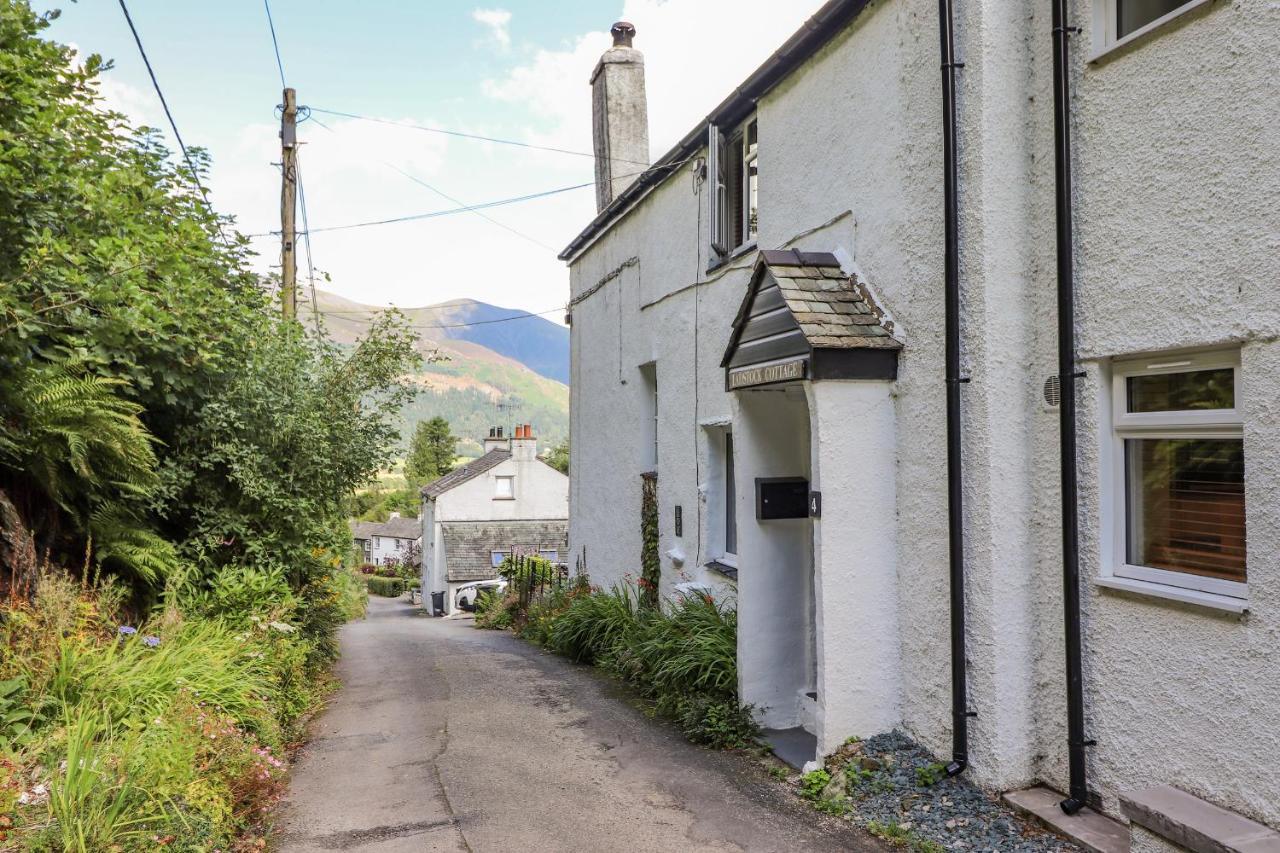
(892, 786)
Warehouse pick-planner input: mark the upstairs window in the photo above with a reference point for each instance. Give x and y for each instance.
(504, 488)
(1180, 472)
(735, 176)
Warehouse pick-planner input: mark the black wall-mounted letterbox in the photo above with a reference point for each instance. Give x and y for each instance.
(782, 497)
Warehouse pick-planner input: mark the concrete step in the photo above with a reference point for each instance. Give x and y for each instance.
(1089, 829)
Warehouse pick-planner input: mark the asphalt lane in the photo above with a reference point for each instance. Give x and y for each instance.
(448, 738)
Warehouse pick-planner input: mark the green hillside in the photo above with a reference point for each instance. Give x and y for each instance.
(472, 386)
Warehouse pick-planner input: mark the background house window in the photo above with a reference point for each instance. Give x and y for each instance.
(1181, 472)
(496, 558)
(1133, 15)
(504, 488)
(551, 554)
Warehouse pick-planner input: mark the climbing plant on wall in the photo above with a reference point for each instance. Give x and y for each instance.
(650, 563)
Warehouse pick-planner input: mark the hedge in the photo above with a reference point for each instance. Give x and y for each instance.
(386, 587)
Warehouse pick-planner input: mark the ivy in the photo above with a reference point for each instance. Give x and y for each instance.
(650, 561)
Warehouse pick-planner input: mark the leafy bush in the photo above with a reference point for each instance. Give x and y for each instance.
(386, 587)
(592, 626)
(813, 783)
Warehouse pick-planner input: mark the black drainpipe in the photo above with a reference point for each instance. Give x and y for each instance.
(955, 483)
(1067, 375)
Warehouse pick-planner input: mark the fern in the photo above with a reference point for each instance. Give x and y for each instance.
(80, 437)
(123, 546)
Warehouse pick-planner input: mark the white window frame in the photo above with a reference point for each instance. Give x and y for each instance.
(1106, 25)
(497, 488)
(718, 510)
(1208, 423)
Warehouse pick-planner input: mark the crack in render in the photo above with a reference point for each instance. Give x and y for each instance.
(435, 760)
(351, 838)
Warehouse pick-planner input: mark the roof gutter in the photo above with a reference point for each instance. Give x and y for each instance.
(815, 33)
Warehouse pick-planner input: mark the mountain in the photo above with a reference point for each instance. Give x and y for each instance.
(490, 373)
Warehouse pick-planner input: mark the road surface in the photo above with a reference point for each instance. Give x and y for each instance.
(449, 738)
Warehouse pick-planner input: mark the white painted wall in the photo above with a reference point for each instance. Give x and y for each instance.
(541, 493)
(1178, 217)
(385, 549)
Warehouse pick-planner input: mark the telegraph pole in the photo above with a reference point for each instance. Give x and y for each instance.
(288, 205)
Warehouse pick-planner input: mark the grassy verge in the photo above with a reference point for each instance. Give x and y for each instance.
(172, 732)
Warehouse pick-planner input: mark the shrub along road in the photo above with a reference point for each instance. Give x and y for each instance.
(448, 738)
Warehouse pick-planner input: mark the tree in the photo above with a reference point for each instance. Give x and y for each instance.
(558, 457)
(431, 454)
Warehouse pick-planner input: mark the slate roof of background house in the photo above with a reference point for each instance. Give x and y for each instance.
(399, 528)
(462, 474)
(822, 27)
(833, 309)
(362, 529)
(468, 545)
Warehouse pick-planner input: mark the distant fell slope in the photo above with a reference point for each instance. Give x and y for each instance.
(474, 386)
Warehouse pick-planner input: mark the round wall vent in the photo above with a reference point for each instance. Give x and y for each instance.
(1053, 390)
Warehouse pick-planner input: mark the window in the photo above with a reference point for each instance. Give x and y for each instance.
(649, 450)
(721, 498)
(734, 170)
(1180, 472)
(496, 558)
(377, 541)
(551, 554)
(504, 488)
(1118, 21)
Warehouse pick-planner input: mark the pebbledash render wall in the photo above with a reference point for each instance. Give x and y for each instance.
(1178, 247)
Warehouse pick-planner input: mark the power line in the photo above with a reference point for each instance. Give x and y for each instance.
(274, 43)
(456, 201)
(502, 202)
(195, 176)
(306, 244)
(463, 135)
(525, 316)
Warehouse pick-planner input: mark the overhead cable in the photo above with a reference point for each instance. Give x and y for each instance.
(195, 175)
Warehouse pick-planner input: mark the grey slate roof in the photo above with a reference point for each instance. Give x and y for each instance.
(831, 309)
(400, 528)
(362, 529)
(462, 474)
(468, 545)
(834, 310)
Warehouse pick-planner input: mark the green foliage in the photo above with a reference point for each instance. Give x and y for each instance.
(17, 714)
(558, 457)
(717, 723)
(432, 452)
(386, 587)
(650, 561)
(779, 773)
(813, 783)
(931, 774)
(593, 626)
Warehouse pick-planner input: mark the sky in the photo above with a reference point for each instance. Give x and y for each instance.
(510, 70)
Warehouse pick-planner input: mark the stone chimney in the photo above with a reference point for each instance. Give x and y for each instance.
(619, 116)
(496, 440)
(524, 447)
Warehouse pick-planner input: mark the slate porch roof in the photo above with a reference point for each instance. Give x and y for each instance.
(468, 545)
(832, 309)
(462, 474)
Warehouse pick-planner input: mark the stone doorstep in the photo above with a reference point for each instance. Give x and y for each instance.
(1089, 829)
(1195, 824)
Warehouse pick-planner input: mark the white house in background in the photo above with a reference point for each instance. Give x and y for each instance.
(761, 319)
(477, 515)
(390, 541)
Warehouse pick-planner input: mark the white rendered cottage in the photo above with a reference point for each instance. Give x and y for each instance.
(984, 449)
(507, 501)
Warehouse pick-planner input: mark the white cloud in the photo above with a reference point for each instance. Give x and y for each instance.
(498, 21)
(688, 66)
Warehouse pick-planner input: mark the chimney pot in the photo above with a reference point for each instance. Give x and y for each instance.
(623, 33)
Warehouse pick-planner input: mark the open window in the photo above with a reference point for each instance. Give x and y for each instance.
(733, 167)
(1179, 472)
